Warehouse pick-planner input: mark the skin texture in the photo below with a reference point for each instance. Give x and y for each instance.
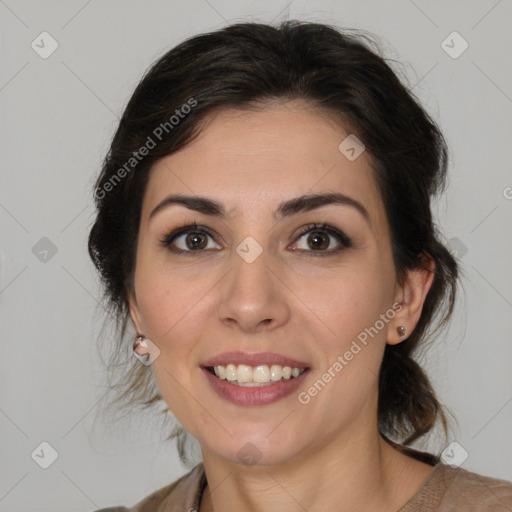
(326, 454)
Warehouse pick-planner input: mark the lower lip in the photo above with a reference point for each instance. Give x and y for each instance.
(257, 395)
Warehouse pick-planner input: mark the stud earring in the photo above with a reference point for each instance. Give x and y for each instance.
(152, 351)
(139, 341)
(401, 331)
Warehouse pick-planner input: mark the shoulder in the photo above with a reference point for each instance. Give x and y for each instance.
(182, 494)
(450, 488)
(474, 491)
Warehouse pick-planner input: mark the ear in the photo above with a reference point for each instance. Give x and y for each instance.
(411, 296)
(135, 317)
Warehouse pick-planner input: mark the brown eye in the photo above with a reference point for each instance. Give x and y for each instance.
(192, 239)
(319, 239)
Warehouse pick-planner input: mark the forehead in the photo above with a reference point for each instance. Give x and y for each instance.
(256, 159)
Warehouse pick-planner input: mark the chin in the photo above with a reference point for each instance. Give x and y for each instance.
(256, 450)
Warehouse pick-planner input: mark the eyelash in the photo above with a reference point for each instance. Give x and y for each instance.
(341, 237)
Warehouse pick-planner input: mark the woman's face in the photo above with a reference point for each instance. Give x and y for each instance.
(257, 281)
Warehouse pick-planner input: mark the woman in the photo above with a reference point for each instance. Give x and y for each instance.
(264, 224)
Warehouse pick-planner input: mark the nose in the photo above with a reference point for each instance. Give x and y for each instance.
(253, 297)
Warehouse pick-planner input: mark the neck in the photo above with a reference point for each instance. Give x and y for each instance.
(346, 473)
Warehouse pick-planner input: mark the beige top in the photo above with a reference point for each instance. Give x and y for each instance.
(446, 489)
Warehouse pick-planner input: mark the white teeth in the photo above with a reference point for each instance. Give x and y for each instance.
(245, 375)
(261, 374)
(276, 372)
(231, 372)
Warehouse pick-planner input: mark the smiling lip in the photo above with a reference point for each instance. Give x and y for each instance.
(258, 395)
(255, 359)
(263, 395)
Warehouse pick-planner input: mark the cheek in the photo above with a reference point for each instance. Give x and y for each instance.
(170, 299)
(347, 310)
(351, 343)
(174, 307)
(344, 301)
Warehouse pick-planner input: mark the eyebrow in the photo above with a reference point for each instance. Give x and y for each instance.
(287, 208)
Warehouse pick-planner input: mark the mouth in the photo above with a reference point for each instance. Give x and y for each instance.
(255, 384)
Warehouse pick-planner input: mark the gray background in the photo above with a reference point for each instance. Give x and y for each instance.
(57, 117)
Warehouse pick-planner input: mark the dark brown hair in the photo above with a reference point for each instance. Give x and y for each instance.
(342, 74)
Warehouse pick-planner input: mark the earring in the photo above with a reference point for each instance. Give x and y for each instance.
(152, 350)
(140, 341)
(401, 331)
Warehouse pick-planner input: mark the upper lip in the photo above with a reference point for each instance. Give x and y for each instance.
(254, 359)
